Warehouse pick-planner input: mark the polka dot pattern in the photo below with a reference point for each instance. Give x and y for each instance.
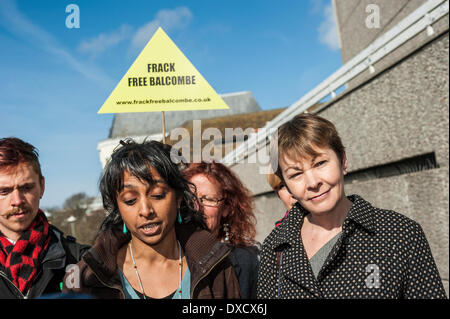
(380, 254)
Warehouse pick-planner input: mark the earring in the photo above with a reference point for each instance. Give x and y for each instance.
(180, 220)
(226, 230)
(124, 228)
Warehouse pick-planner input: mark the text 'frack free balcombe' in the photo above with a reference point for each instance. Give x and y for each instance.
(160, 76)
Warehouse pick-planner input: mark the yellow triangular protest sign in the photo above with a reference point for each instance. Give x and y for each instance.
(162, 79)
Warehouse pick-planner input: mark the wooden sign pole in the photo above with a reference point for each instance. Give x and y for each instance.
(163, 127)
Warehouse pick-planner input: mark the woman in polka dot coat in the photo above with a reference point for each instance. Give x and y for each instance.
(337, 246)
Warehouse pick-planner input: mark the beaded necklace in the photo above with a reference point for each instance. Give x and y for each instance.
(180, 266)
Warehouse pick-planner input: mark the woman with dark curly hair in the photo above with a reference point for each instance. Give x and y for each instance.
(154, 243)
(228, 208)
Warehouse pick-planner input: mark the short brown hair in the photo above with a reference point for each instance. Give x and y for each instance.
(14, 151)
(298, 137)
(274, 181)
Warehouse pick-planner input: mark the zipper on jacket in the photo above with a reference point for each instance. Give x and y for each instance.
(29, 290)
(207, 273)
(21, 294)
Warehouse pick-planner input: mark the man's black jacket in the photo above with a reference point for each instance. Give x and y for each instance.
(62, 251)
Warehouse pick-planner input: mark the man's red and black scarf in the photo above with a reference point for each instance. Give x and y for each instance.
(20, 262)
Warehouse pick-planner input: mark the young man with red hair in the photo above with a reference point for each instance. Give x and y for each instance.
(33, 253)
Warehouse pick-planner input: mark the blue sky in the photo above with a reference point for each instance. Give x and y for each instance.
(53, 79)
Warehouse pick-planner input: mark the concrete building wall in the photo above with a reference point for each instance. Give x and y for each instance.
(268, 208)
(355, 35)
(400, 113)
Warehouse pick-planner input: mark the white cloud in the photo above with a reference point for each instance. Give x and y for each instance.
(167, 19)
(316, 6)
(18, 24)
(104, 41)
(328, 33)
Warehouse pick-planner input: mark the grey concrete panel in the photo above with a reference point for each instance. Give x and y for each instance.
(268, 209)
(401, 113)
(252, 177)
(352, 15)
(445, 282)
(440, 27)
(356, 36)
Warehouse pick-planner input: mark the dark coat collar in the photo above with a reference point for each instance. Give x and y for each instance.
(102, 256)
(55, 258)
(202, 252)
(287, 240)
(361, 213)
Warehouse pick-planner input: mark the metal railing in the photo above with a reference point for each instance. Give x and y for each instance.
(422, 18)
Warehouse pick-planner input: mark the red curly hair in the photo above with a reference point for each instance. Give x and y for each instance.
(237, 198)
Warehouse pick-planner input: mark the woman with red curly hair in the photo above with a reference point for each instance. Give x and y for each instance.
(228, 209)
